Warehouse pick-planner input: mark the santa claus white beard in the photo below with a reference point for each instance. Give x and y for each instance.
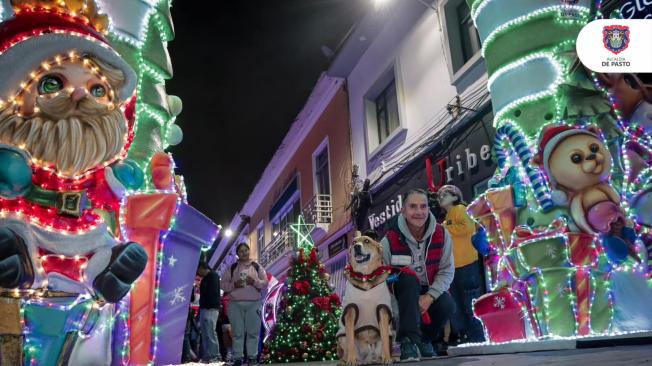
(74, 137)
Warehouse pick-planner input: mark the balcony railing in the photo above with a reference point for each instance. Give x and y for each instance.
(319, 210)
(279, 245)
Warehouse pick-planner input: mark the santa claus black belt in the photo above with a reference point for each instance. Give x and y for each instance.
(70, 203)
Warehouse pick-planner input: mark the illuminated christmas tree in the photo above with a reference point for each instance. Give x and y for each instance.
(309, 310)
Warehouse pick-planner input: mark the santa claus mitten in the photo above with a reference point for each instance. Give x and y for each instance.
(15, 266)
(15, 174)
(128, 261)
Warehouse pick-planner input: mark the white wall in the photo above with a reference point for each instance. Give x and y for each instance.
(411, 42)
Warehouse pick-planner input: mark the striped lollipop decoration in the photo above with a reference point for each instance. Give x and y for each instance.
(510, 141)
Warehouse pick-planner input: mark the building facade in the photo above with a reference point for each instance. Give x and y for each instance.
(420, 109)
(310, 175)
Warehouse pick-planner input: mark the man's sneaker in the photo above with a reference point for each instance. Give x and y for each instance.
(426, 350)
(252, 361)
(237, 362)
(409, 350)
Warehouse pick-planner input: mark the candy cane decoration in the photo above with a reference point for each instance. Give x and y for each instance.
(583, 295)
(518, 144)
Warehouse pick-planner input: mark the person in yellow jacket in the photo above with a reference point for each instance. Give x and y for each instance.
(467, 282)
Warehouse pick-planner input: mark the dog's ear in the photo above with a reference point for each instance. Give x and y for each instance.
(378, 246)
(372, 234)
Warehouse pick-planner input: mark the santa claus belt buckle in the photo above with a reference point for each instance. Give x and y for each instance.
(71, 203)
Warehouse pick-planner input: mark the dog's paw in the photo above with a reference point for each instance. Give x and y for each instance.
(351, 361)
(387, 360)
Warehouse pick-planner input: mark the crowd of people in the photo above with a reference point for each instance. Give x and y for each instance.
(439, 275)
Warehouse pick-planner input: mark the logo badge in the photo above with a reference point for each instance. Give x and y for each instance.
(615, 38)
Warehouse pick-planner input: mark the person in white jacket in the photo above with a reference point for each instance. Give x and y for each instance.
(422, 250)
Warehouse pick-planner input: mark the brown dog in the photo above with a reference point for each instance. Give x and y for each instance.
(365, 334)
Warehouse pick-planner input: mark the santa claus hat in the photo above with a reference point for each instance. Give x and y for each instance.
(31, 36)
(551, 136)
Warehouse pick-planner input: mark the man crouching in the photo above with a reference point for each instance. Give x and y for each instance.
(422, 250)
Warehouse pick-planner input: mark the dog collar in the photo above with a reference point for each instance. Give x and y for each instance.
(367, 277)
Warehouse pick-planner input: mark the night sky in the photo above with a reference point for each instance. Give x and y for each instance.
(244, 69)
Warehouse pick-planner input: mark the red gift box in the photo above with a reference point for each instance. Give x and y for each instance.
(502, 315)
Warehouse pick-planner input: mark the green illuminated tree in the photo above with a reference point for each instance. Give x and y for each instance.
(308, 313)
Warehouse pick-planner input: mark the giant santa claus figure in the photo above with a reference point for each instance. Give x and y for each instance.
(65, 126)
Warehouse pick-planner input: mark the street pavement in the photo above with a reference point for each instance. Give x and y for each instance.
(608, 356)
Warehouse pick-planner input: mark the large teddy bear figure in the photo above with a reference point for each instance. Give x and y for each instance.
(578, 166)
(63, 136)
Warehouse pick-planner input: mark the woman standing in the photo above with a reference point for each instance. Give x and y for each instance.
(244, 284)
(467, 282)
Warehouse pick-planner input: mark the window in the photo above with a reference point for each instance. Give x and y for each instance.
(322, 174)
(387, 112)
(464, 45)
(468, 34)
(382, 108)
(287, 217)
(284, 204)
(260, 235)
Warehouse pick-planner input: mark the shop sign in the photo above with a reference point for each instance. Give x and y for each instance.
(463, 160)
(392, 208)
(636, 9)
(448, 172)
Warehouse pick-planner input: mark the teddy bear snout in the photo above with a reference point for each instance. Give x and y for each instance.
(591, 166)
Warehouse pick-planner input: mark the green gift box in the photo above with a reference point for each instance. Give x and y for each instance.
(601, 306)
(553, 294)
(544, 252)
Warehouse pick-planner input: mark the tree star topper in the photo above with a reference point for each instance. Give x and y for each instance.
(303, 230)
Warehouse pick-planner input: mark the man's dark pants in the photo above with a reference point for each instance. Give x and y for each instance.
(407, 291)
